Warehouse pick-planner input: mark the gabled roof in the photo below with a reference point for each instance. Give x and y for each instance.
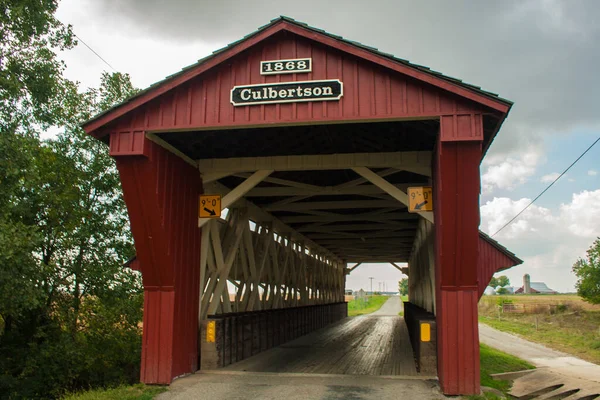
(541, 287)
(421, 72)
(501, 248)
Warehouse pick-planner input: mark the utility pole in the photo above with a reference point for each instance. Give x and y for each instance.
(371, 278)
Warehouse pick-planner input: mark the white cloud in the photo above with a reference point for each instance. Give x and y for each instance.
(549, 177)
(582, 214)
(548, 240)
(510, 172)
(592, 172)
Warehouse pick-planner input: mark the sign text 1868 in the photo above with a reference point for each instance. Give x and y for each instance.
(295, 66)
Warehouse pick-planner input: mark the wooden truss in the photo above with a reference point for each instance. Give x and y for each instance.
(268, 269)
(293, 250)
(373, 234)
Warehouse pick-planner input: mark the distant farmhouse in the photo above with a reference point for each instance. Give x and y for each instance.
(534, 287)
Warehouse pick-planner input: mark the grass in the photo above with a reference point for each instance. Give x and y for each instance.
(573, 327)
(365, 306)
(134, 392)
(403, 298)
(494, 362)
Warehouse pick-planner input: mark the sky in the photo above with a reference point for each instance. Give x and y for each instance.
(541, 54)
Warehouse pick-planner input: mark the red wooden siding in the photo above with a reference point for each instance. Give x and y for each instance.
(491, 260)
(161, 193)
(458, 345)
(370, 92)
(128, 143)
(456, 195)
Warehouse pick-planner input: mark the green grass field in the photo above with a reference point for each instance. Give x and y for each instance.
(495, 362)
(561, 322)
(135, 392)
(365, 306)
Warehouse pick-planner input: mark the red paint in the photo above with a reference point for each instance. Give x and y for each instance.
(460, 127)
(371, 92)
(456, 195)
(128, 143)
(161, 192)
(491, 260)
(301, 42)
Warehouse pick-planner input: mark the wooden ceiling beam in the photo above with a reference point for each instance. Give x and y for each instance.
(371, 235)
(336, 205)
(348, 218)
(398, 160)
(356, 227)
(322, 191)
(393, 191)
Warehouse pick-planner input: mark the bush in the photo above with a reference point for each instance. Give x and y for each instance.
(501, 301)
(48, 361)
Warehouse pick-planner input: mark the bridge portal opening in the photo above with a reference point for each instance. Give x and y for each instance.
(316, 215)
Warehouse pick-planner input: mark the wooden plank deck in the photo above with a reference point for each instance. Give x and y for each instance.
(366, 345)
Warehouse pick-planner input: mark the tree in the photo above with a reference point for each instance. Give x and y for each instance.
(31, 98)
(588, 274)
(31, 82)
(72, 319)
(502, 291)
(499, 281)
(403, 287)
(503, 281)
(69, 312)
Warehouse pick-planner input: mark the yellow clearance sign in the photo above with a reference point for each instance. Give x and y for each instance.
(209, 206)
(420, 199)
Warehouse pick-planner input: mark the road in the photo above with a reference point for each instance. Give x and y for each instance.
(391, 307)
(539, 355)
(553, 367)
(364, 345)
(248, 385)
(364, 357)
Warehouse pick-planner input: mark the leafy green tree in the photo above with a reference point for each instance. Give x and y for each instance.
(588, 274)
(503, 280)
(31, 98)
(403, 287)
(502, 291)
(31, 83)
(499, 281)
(69, 313)
(79, 326)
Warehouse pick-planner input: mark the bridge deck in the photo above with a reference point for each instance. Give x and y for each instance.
(366, 345)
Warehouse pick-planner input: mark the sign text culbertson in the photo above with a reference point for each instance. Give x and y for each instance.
(287, 92)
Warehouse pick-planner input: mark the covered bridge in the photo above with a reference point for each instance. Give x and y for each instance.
(313, 142)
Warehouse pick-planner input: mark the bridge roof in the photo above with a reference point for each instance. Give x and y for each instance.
(419, 72)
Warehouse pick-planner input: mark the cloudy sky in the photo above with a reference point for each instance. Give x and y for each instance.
(541, 54)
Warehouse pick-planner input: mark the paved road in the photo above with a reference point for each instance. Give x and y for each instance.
(570, 373)
(248, 385)
(539, 355)
(391, 307)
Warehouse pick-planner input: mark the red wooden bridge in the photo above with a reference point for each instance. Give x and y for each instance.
(312, 141)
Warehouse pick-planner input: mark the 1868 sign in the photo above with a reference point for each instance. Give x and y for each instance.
(295, 66)
(287, 92)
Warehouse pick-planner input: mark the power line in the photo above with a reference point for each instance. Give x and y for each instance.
(548, 187)
(93, 51)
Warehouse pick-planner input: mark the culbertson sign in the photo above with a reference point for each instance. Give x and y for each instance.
(287, 92)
